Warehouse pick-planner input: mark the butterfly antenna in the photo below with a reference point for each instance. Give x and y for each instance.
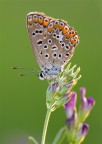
(26, 68)
(25, 74)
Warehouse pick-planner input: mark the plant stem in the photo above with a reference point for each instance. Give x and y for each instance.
(46, 125)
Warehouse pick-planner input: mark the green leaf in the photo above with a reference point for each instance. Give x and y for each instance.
(32, 140)
(60, 136)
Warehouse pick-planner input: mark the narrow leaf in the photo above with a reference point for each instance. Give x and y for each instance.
(60, 136)
(32, 140)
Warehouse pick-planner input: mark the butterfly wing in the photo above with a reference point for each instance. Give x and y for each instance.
(53, 41)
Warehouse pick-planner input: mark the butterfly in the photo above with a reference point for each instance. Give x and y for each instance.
(53, 42)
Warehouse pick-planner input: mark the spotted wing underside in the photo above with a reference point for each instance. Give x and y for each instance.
(53, 40)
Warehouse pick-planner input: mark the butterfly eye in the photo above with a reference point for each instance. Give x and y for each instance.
(41, 75)
(35, 18)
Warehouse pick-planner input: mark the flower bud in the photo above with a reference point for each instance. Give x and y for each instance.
(62, 100)
(66, 88)
(50, 94)
(87, 105)
(70, 110)
(82, 132)
(70, 106)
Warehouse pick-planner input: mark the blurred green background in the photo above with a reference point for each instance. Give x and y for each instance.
(22, 100)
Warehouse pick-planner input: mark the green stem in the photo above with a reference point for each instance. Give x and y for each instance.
(46, 125)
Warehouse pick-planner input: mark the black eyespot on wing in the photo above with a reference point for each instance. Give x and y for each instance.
(46, 55)
(50, 25)
(67, 47)
(60, 55)
(36, 31)
(39, 42)
(35, 16)
(54, 47)
(49, 41)
(41, 52)
(56, 22)
(45, 46)
(40, 31)
(54, 55)
(62, 44)
(67, 54)
(57, 36)
(33, 33)
(54, 35)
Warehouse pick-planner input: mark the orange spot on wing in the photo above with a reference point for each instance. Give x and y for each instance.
(46, 23)
(64, 31)
(68, 35)
(60, 27)
(35, 20)
(73, 42)
(50, 29)
(40, 21)
(30, 22)
(56, 26)
(72, 35)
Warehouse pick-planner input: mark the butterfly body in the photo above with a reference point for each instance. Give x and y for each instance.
(53, 42)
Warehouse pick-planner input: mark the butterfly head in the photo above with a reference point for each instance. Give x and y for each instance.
(42, 75)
